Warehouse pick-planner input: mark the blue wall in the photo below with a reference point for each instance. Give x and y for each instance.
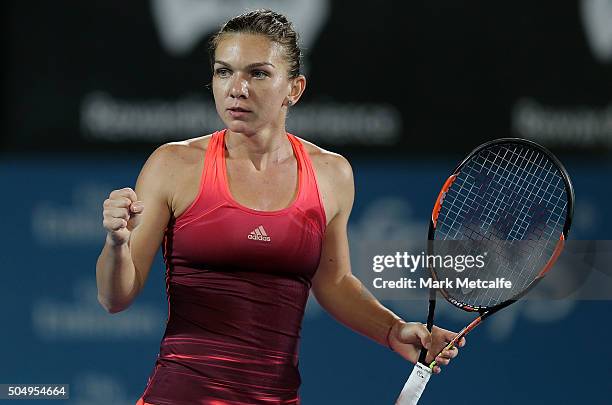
(54, 331)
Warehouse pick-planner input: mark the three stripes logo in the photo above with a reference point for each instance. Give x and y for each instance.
(259, 233)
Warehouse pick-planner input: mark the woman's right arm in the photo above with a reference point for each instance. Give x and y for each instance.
(135, 221)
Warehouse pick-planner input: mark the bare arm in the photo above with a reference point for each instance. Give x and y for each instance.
(342, 295)
(334, 286)
(135, 221)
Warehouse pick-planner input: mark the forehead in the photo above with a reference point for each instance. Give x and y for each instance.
(242, 48)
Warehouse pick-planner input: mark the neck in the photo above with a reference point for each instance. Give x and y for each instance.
(261, 148)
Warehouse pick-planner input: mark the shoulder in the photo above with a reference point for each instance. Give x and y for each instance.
(181, 152)
(334, 177)
(329, 165)
(168, 163)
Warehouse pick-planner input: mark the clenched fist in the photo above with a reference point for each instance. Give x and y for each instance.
(121, 215)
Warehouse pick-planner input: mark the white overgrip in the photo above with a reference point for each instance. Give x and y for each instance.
(414, 386)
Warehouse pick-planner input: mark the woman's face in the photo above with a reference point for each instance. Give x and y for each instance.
(250, 83)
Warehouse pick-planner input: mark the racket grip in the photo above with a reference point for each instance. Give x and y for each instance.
(415, 385)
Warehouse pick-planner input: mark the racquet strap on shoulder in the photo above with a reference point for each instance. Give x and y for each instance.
(414, 386)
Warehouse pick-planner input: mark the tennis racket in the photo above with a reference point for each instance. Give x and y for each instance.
(506, 194)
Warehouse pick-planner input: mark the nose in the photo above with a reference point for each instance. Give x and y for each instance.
(239, 87)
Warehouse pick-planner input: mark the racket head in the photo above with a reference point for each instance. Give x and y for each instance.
(507, 193)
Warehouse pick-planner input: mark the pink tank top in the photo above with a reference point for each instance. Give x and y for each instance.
(237, 282)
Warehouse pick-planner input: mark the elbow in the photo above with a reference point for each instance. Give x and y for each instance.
(111, 308)
(114, 310)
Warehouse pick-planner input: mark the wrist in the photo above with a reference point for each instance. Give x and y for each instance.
(113, 244)
(390, 331)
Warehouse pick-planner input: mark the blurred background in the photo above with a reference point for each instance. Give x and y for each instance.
(402, 89)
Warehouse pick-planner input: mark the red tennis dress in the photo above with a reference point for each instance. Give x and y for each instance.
(237, 282)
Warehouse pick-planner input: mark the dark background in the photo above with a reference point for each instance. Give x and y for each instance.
(402, 89)
(454, 72)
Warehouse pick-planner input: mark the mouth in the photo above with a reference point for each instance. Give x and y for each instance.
(238, 109)
(238, 113)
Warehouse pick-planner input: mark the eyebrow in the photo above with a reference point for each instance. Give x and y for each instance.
(250, 66)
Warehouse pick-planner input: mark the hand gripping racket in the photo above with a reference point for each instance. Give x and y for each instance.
(506, 194)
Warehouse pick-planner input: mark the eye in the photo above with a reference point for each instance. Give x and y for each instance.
(222, 72)
(260, 74)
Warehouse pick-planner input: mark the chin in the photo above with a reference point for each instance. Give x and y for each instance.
(240, 127)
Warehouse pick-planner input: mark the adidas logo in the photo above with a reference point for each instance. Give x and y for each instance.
(259, 233)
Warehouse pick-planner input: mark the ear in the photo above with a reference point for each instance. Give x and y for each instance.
(296, 89)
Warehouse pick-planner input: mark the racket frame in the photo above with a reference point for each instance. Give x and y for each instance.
(488, 311)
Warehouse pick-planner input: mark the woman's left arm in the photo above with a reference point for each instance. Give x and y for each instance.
(344, 297)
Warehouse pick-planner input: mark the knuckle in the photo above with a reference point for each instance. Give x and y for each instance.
(129, 192)
(125, 192)
(119, 213)
(114, 213)
(110, 225)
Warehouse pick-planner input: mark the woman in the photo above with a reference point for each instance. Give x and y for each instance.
(250, 218)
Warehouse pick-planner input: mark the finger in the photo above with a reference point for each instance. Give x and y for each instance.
(437, 370)
(124, 192)
(448, 335)
(114, 224)
(117, 213)
(449, 353)
(419, 330)
(118, 202)
(443, 361)
(462, 342)
(137, 207)
(129, 193)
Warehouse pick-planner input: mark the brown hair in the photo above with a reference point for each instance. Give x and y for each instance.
(265, 22)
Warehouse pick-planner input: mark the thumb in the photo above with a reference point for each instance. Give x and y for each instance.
(424, 336)
(137, 207)
(414, 332)
(419, 332)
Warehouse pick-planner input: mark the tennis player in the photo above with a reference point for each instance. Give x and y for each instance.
(250, 218)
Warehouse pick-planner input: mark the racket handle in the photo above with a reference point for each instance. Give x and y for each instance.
(415, 385)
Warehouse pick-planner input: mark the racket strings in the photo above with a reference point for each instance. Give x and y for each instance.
(515, 223)
(504, 194)
(505, 226)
